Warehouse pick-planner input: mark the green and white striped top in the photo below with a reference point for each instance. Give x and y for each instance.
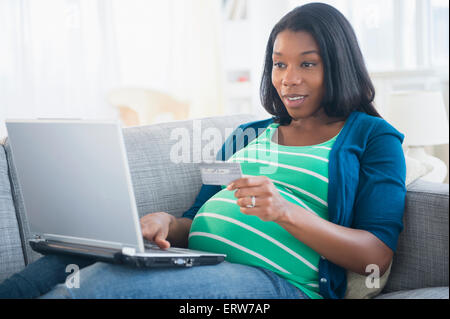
(300, 173)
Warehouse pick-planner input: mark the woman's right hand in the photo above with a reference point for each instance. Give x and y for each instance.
(155, 228)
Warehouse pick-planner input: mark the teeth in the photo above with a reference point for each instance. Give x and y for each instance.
(295, 98)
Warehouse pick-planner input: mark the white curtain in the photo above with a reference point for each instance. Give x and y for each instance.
(174, 46)
(60, 58)
(197, 54)
(57, 59)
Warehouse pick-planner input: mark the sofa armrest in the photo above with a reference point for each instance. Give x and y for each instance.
(11, 253)
(421, 259)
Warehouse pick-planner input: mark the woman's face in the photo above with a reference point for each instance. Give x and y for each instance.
(297, 73)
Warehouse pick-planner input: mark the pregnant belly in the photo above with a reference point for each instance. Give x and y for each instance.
(220, 227)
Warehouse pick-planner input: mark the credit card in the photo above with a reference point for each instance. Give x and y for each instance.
(220, 173)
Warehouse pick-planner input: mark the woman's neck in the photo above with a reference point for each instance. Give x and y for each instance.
(319, 119)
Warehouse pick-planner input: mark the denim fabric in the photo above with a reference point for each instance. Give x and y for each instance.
(222, 281)
(40, 277)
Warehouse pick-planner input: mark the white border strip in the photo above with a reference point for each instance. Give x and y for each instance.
(288, 153)
(223, 200)
(323, 147)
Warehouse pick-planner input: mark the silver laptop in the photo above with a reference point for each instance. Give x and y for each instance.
(78, 194)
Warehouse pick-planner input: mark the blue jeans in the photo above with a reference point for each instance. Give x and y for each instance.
(40, 277)
(104, 280)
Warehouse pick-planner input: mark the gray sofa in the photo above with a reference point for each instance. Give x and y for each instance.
(420, 266)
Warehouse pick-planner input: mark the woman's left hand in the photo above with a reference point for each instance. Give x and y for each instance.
(269, 204)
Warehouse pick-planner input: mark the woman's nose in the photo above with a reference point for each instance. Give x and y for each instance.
(292, 77)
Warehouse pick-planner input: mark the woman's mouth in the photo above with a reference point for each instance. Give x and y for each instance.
(292, 100)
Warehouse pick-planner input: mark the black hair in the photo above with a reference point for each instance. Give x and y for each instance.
(348, 86)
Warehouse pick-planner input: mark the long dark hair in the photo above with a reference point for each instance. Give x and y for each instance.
(347, 83)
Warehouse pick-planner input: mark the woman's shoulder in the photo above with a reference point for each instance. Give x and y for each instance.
(373, 125)
(253, 128)
(257, 124)
(237, 137)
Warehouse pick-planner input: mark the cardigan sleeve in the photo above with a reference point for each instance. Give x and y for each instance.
(381, 193)
(206, 192)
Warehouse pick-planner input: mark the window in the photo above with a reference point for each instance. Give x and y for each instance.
(396, 35)
(439, 32)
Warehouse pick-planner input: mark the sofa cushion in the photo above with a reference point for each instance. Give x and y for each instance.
(421, 259)
(159, 182)
(357, 287)
(423, 293)
(11, 253)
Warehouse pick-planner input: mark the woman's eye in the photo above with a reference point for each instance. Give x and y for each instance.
(278, 65)
(308, 64)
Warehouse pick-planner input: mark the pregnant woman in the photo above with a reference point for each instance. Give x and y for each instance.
(324, 190)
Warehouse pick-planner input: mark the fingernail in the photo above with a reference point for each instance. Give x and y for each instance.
(229, 187)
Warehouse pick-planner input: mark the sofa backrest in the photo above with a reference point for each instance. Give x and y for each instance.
(159, 183)
(11, 253)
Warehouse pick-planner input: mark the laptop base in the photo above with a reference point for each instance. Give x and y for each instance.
(95, 253)
(117, 257)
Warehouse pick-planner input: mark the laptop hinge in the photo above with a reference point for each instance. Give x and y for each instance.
(128, 251)
(38, 239)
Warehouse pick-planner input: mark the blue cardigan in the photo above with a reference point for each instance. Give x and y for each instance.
(366, 187)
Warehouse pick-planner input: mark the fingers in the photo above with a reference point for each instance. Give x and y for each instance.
(262, 213)
(249, 181)
(247, 201)
(160, 240)
(252, 186)
(268, 202)
(259, 191)
(155, 228)
(149, 230)
(260, 202)
(157, 234)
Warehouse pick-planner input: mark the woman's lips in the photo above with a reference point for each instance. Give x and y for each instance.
(290, 102)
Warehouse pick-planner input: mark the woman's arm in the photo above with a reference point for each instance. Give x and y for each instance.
(179, 231)
(352, 249)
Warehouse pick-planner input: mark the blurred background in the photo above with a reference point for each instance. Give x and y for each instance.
(151, 61)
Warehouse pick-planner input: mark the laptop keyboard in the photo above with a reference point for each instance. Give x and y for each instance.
(154, 249)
